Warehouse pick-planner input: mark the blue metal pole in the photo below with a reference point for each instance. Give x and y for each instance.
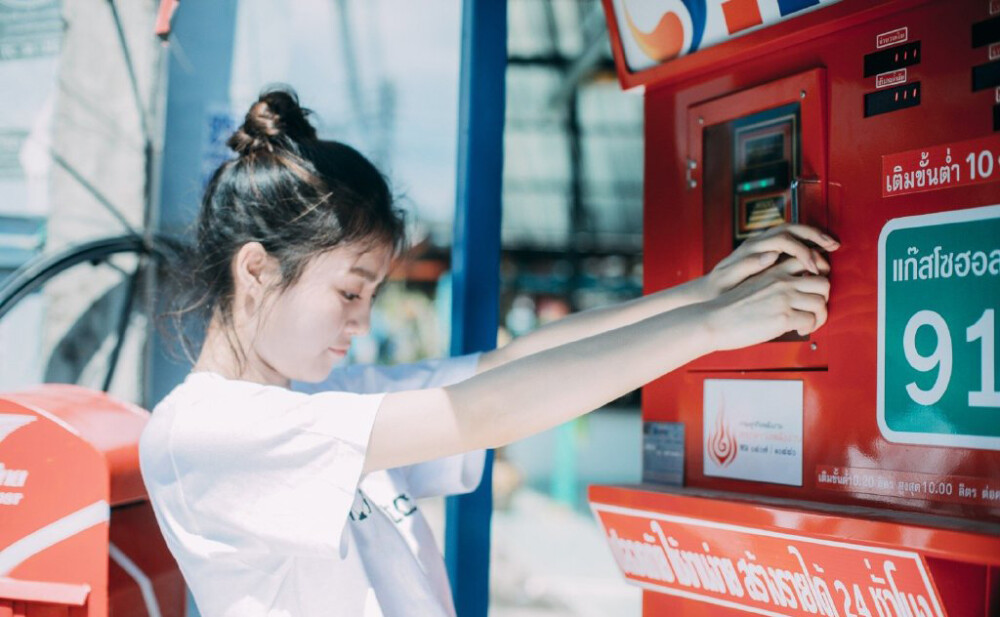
(198, 81)
(476, 270)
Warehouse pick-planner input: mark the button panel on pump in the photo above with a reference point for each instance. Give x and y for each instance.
(884, 101)
(893, 58)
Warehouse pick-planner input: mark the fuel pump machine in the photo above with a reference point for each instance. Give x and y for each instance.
(856, 471)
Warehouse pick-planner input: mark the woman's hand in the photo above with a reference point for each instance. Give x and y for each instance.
(760, 252)
(763, 307)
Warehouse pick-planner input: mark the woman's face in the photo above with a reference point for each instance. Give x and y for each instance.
(308, 328)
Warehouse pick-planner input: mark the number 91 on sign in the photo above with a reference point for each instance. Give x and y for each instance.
(939, 293)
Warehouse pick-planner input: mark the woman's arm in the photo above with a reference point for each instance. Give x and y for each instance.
(536, 392)
(749, 259)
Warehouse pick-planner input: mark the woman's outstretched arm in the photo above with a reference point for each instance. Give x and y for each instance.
(533, 393)
(749, 259)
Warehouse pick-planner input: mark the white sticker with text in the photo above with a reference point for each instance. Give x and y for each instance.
(753, 430)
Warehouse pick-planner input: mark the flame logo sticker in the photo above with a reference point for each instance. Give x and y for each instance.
(722, 444)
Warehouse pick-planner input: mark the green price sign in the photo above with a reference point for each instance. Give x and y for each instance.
(938, 310)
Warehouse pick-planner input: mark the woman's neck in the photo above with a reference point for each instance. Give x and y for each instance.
(219, 355)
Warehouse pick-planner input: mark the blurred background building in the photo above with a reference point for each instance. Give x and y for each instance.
(108, 133)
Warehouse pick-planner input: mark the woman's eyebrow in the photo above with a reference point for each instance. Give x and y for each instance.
(368, 275)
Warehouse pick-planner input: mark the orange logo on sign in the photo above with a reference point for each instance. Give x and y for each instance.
(662, 42)
(722, 444)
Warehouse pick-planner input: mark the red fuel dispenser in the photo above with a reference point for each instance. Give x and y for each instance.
(77, 536)
(855, 471)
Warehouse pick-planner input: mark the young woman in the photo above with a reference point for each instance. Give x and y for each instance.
(286, 488)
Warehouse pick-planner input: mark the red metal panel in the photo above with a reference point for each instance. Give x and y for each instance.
(47, 610)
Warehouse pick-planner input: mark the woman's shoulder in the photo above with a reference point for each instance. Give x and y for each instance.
(208, 397)
(207, 412)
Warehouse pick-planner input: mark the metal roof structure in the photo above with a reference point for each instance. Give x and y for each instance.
(572, 142)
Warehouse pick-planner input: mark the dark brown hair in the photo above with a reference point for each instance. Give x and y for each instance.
(297, 195)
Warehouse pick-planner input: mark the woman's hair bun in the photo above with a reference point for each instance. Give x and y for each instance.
(275, 121)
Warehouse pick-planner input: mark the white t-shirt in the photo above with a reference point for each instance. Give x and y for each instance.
(259, 493)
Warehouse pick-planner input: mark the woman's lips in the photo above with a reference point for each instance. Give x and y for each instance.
(339, 352)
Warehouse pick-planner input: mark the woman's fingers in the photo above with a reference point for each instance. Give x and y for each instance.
(791, 273)
(795, 268)
(821, 262)
(790, 239)
(810, 303)
(803, 322)
(805, 232)
(762, 251)
(790, 245)
(816, 285)
(749, 266)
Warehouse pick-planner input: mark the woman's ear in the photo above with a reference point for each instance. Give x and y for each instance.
(254, 271)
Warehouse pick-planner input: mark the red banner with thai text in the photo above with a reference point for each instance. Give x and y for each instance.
(940, 167)
(766, 572)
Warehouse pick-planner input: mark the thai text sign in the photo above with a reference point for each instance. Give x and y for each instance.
(910, 485)
(765, 572)
(940, 167)
(939, 295)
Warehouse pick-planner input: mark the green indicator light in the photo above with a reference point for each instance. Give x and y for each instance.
(753, 185)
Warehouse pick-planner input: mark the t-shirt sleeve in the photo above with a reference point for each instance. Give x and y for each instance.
(274, 470)
(447, 476)
(372, 378)
(452, 475)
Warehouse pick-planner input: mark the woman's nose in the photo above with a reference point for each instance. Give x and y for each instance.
(359, 322)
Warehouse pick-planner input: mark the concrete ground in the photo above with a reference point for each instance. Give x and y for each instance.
(548, 560)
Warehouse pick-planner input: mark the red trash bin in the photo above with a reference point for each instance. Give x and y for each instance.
(77, 534)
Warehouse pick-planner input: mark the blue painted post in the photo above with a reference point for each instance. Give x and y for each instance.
(198, 81)
(476, 270)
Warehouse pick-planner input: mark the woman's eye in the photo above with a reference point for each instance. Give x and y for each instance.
(349, 296)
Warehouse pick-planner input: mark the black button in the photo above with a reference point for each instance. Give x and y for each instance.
(892, 99)
(892, 58)
(986, 32)
(985, 76)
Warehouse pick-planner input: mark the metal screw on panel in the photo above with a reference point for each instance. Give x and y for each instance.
(701, 120)
(692, 183)
(802, 94)
(692, 164)
(813, 346)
